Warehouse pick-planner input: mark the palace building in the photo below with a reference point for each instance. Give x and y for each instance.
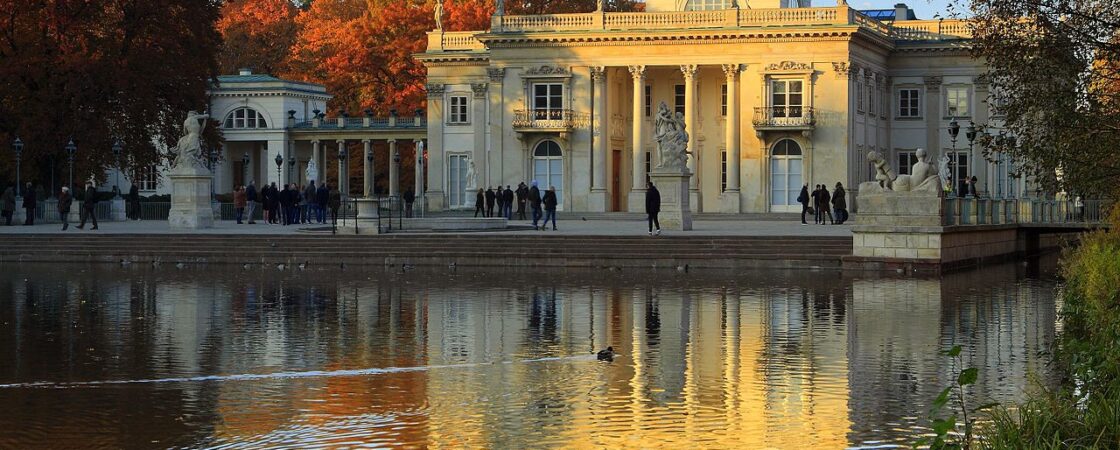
(775, 94)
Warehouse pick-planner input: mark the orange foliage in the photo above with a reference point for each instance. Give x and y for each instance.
(258, 34)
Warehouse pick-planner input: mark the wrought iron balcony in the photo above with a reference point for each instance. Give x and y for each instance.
(783, 117)
(549, 119)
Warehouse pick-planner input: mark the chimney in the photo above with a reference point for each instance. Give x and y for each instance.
(901, 12)
(245, 71)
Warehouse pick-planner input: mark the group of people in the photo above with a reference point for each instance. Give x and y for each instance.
(8, 199)
(823, 205)
(65, 201)
(290, 205)
(542, 205)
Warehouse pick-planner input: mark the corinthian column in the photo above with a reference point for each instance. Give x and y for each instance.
(732, 128)
(689, 72)
(636, 201)
(599, 136)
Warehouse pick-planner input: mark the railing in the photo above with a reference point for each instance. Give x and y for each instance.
(864, 20)
(365, 122)
(1024, 211)
(664, 20)
(46, 211)
(460, 40)
(929, 30)
(547, 22)
(787, 16)
(550, 119)
(783, 116)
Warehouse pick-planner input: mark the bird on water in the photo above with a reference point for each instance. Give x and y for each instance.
(605, 355)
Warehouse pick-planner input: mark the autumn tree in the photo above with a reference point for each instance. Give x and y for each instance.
(257, 34)
(99, 71)
(1052, 64)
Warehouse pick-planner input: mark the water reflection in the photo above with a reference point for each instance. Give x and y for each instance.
(503, 358)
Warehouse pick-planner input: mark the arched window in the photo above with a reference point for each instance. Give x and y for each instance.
(244, 118)
(785, 175)
(548, 168)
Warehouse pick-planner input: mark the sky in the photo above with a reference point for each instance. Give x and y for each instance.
(924, 9)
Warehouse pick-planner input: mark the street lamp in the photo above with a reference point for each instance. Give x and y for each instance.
(970, 133)
(117, 155)
(279, 164)
(17, 145)
(343, 169)
(954, 130)
(70, 150)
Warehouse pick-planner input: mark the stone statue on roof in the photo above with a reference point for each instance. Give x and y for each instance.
(439, 15)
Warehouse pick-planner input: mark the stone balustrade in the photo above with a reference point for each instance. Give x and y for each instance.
(931, 30)
(787, 16)
(461, 41)
(559, 119)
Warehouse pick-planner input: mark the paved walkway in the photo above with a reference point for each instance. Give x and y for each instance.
(623, 226)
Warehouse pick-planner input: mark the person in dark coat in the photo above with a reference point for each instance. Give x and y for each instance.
(409, 197)
(9, 200)
(266, 203)
(64, 202)
(239, 202)
(480, 203)
(840, 203)
(334, 202)
(29, 204)
(803, 199)
(132, 203)
(550, 202)
(307, 214)
(89, 207)
(535, 203)
(824, 207)
(653, 206)
(250, 201)
(490, 197)
(287, 204)
(275, 204)
(322, 199)
(522, 193)
(507, 201)
(814, 199)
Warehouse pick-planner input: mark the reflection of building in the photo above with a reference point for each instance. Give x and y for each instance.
(775, 94)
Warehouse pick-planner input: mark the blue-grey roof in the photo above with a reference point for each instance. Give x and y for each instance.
(254, 78)
(887, 15)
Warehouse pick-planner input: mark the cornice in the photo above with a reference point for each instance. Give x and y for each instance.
(557, 39)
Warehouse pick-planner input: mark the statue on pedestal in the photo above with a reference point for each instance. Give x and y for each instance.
(312, 171)
(188, 153)
(471, 181)
(921, 177)
(439, 14)
(672, 140)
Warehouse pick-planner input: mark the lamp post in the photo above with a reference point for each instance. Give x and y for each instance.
(397, 167)
(279, 164)
(342, 172)
(970, 133)
(117, 155)
(70, 150)
(17, 146)
(954, 130)
(420, 160)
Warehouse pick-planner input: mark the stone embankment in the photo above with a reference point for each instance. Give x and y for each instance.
(470, 249)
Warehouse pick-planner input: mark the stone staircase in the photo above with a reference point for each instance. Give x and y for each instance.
(468, 249)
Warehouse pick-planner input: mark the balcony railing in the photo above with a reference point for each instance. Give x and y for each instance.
(783, 117)
(549, 119)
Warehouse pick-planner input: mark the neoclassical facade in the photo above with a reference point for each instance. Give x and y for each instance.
(775, 95)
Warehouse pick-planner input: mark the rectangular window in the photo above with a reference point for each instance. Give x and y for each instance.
(457, 113)
(956, 102)
(148, 178)
(859, 96)
(871, 91)
(908, 104)
(723, 101)
(678, 98)
(906, 160)
(649, 100)
(958, 159)
(785, 98)
(548, 101)
(457, 168)
(723, 172)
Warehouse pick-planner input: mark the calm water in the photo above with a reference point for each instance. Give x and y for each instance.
(143, 357)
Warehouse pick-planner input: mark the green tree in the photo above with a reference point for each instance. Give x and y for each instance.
(99, 71)
(1054, 74)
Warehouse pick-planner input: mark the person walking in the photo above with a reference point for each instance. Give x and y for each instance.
(64, 202)
(250, 202)
(549, 201)
(409, 197)
(507, 200)
(522, 193)
(824, 205)
(535, 203)
(29, 204)
(239, 201)
(9, 200)
(480, 203)
(653, 206)
(266, 203)
(322, 198)
(334, 202)
(840, 203)
(309, 195)
(89, 207)
(132, 207)
(803, 199)
(490, 197)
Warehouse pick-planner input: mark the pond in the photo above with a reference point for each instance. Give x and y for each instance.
(233, 357)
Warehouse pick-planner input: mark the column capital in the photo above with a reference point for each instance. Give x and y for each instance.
(637, 72)
(980, 82)
(689, 71)
(496, 74)
(391, 140)
(933, 84)
(366, 141)
(314, 142)
(598, 74)
(435, 90)
(732, 70)
(843, 69)
(479, 89)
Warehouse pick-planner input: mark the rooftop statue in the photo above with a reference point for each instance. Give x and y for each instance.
(439, 14)
(188, 153)
(672, 140)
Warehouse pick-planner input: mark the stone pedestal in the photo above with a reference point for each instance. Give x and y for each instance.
(365, 220)
(597, 201)
(118, 211)
(694, 199)
(20, 214)
(903, 225)
(636, 201)
(435, 200)
(675, 211)
(190, 199)
(729, 203)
